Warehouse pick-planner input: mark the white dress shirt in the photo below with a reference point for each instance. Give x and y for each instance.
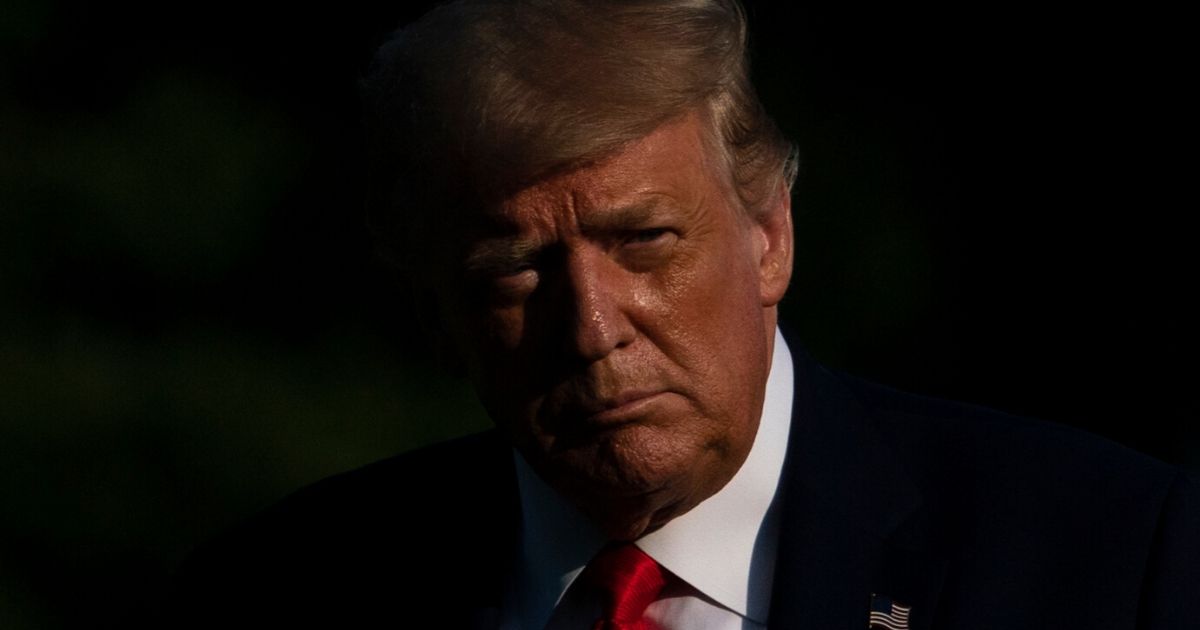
(724, 548)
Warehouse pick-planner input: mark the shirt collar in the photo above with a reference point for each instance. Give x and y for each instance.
(724, 547)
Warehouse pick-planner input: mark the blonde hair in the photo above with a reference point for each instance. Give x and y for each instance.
(480, 98)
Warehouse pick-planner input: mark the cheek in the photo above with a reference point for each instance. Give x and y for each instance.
(720, 318)
(486, 340)
(487, 331)
(502, 327)
(717, 291)
(670, 293)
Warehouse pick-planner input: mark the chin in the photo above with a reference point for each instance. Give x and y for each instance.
(634, 480)
(628, 517)
(636, 460)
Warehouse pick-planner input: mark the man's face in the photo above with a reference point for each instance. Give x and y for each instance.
(617, 321)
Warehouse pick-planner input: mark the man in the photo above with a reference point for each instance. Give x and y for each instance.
(594, 211)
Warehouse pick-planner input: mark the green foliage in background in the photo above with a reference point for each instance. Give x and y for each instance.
(121, 446)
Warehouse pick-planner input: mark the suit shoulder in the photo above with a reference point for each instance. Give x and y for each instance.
(1002, 470)
(384, 491)
(991, 437)
(419, 509)
(459, 467)
(1051, 508)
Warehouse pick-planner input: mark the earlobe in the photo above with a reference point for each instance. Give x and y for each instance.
(775, 263)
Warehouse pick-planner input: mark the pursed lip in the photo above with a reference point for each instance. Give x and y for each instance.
(622, 408)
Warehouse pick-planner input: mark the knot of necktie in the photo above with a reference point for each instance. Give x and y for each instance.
(628, 581)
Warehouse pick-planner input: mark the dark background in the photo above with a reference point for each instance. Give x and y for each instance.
(994, 206)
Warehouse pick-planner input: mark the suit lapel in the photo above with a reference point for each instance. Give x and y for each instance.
(852, 522)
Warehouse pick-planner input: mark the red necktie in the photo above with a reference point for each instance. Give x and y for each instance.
(628, 581)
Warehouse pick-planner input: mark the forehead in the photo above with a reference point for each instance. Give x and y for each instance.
(671, 167)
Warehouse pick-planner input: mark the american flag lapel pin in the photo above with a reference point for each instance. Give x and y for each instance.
(888, 614)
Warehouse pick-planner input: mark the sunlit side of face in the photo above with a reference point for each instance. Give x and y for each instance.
(617, 322)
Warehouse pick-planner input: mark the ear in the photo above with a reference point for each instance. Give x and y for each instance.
(774, 225)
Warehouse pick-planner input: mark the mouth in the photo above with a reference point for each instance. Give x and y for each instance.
(585, 415)
(621, 409)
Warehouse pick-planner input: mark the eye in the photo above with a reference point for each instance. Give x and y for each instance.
(647, 249)
(502, 281)
(650, 235)
(512, 286)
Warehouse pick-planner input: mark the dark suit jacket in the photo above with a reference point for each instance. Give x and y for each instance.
(976, 519)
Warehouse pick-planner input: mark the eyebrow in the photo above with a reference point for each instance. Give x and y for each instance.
(496, 255)
(504, 253)
(627, 217)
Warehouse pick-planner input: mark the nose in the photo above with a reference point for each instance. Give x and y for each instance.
(598, 292)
